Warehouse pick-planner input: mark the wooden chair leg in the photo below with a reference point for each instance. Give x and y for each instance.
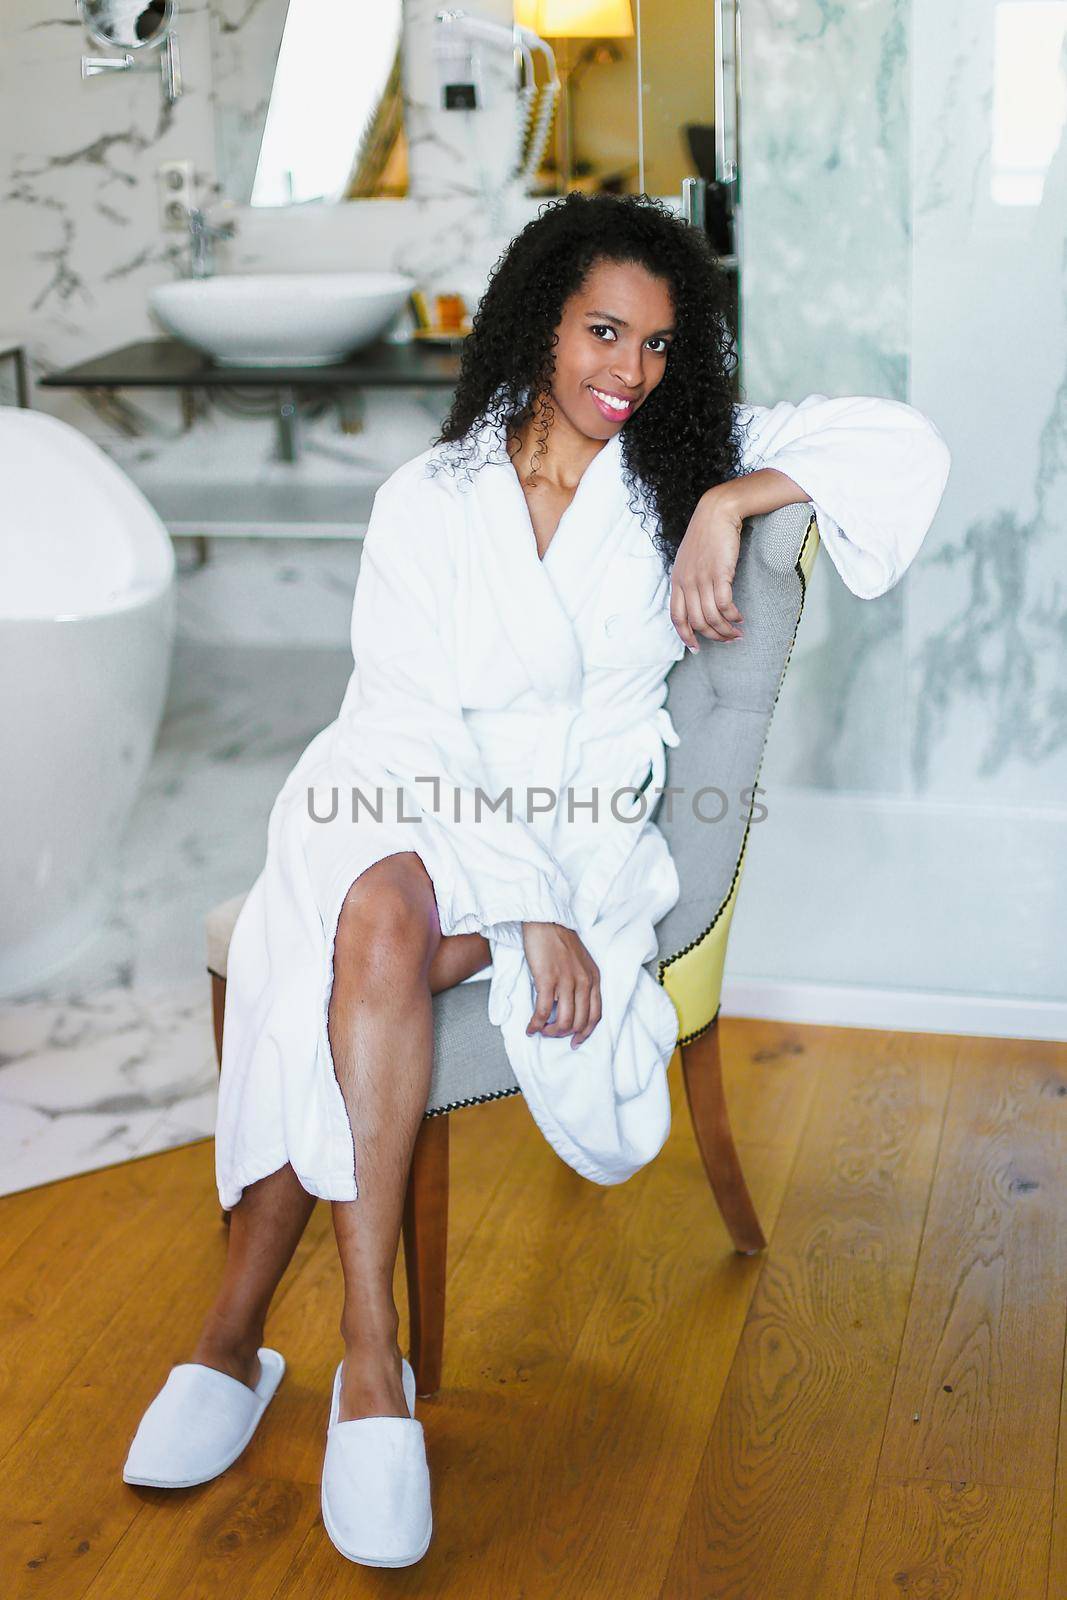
(425, 1230)
(218, 1011)
(702, 1073)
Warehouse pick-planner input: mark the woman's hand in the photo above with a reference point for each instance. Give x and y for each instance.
(702, 597)
(564, 975)
(702, 577)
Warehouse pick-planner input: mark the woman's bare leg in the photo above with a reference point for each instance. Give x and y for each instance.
(381, 1034)
(268, 1221)
(265, 1229)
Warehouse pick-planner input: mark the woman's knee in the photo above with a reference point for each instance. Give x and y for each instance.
(388, 922)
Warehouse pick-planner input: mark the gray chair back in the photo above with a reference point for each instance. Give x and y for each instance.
(721, 701)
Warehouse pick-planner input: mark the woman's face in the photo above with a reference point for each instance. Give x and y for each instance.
(613, 337)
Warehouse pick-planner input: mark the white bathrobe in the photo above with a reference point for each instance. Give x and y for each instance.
(483, 671)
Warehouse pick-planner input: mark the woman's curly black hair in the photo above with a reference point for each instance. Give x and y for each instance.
(681, 440)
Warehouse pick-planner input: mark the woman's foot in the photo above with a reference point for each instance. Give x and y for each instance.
(236, 1361)
(371, 1383)
(376, 1502)
(196, 1427)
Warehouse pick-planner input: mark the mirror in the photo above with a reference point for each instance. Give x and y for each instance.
(690, 120)
(127, 24)
(689, 117)
(321, 102)
(308, 102)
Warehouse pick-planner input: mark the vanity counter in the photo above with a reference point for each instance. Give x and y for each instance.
(169, 364)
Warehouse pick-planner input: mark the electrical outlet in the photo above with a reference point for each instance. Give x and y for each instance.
(177, 194)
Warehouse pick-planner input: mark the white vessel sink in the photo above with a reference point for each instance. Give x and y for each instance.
(280, 319)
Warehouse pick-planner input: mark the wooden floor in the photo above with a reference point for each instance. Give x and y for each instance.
(871, 1407)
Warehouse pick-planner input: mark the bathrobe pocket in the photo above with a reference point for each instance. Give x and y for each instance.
(632, 619)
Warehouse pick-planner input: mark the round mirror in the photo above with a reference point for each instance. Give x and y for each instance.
(127, 24)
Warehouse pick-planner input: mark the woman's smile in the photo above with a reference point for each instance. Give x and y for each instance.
(617, 407)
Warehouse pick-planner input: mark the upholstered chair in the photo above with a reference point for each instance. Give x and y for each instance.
(721, 700)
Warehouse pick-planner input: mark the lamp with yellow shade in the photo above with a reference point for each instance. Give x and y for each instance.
(564, 20)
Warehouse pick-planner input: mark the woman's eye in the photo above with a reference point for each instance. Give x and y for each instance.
(603, 327)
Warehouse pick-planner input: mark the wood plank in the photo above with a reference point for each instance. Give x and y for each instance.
(65, 1505)
(770, 1070)
(982, 1358)
(968, 1470)
(871, 1146)
(627, 1422)
(23, 1212)
(65, 1281)
(966, 1540)
(778, 1503)
(1057, 1580)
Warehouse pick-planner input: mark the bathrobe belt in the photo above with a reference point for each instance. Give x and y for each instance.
(549, 750)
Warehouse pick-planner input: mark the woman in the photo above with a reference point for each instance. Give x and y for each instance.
(523, 592)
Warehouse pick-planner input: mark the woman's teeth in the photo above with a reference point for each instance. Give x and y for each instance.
(613, 408)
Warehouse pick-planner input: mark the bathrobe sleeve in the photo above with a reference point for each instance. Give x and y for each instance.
(875, 471)
(402, 721)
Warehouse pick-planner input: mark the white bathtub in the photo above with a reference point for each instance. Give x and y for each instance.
(86, 631)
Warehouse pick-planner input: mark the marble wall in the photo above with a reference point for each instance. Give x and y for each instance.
(826, 196)
(987, 647)
(824, 309)
(919, 754)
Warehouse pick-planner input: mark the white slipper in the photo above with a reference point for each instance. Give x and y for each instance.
(199, 1423)
(376, 1484)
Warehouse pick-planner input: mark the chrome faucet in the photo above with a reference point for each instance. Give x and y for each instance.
(202, 236)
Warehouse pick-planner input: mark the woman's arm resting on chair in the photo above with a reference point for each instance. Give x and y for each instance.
(703, 572)
(872, 470)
